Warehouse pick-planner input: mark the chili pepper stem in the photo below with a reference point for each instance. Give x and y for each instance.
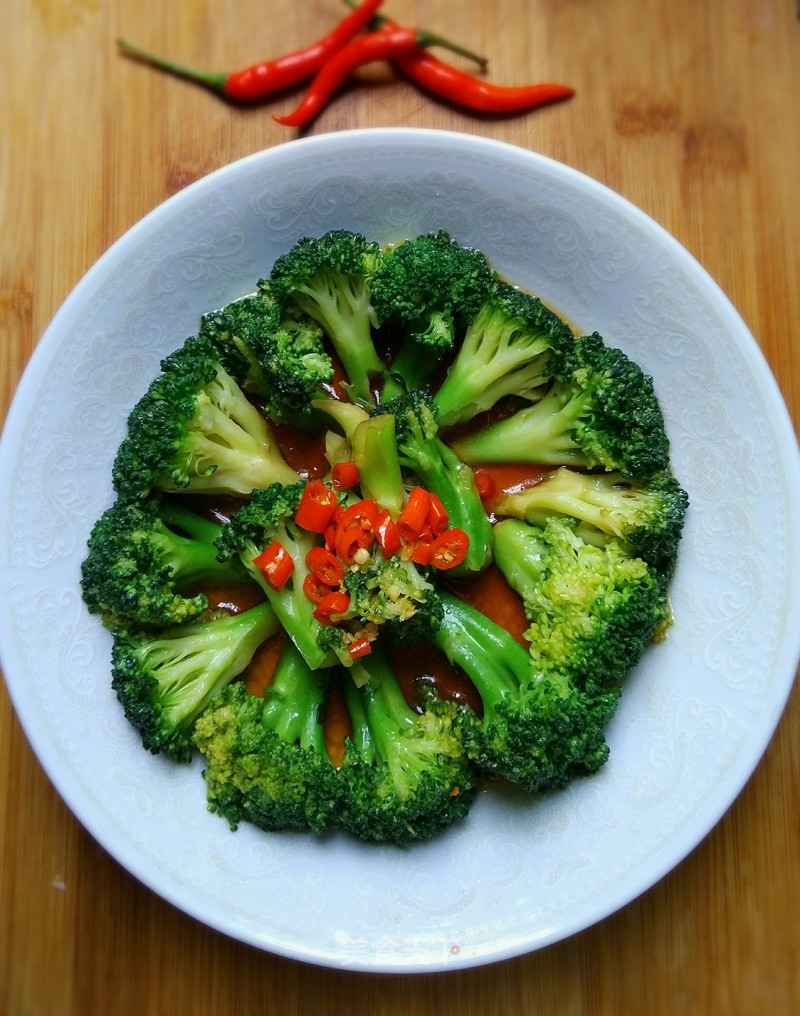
(214, 81)
(383, 20)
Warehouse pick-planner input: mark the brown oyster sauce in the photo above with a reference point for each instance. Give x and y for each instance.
(418, 668)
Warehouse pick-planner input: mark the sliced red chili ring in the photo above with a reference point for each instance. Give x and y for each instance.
(388, 534)
(360, 647)
(362, 514)
(421, 552)
(314, 589)
(317, 506)
(276, 564)
(414, 514)
(345, 475)
(437, 519)
(331, 606)
(351, 539)
(449, 549)
(325, 565)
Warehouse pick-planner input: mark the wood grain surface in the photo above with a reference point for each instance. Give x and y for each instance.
(689, 108)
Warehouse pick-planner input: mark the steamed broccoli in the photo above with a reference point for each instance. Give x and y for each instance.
(538, 728)
(278, 357)
(513, 346)
(165, 679)
(648, 517)
(195, 430)
(592, 610)
(329, 279)
(142, 556)
(268, 516)
(430, 287)
(440, 471)
(266, 760)
(601, 412)
(405, 774)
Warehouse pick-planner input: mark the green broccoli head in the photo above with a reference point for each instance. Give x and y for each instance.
(591, 609)
(266, 761)
(329, 279)
(405, 774)
(194, 430)
(428, 288)
(648, 517)
(536, 728)
(431, 285)
(601, 411)
(513, 346)
(165, 679)
(278, 357)
(141, 558)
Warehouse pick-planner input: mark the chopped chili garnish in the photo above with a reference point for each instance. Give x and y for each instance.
(422, 552)
(331, 606)
(276, 564)
(325, 565)
(360, 647)
(351, 539)
(388, 534)
(269, 76)
(362, 514)
(414, 515)
(437, 519)
(316, 507)
(345, 475)
(449, 549)
(315, 589)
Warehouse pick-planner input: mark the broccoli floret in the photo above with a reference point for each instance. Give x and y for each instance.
(165, 679)
(440, 471)
(266, 761)
(602, 412)
(592, 610)
(537, 728)
(430, 288)
(143, 555)
(513, 346)
(405, 774)
(648, 517)
(267, 516)
(278, 357)
(383, 591)
(330, 280)
(384, 597)
(195, 430)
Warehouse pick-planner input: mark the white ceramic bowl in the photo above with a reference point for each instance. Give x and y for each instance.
(697, 714)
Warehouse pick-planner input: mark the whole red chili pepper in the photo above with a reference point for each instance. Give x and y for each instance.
(465, 89)
(385, 44)
(474, 93)
(269, 76)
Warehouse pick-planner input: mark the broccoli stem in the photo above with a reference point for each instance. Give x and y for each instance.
(375, 453)
(295, 701)
(492, 658)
